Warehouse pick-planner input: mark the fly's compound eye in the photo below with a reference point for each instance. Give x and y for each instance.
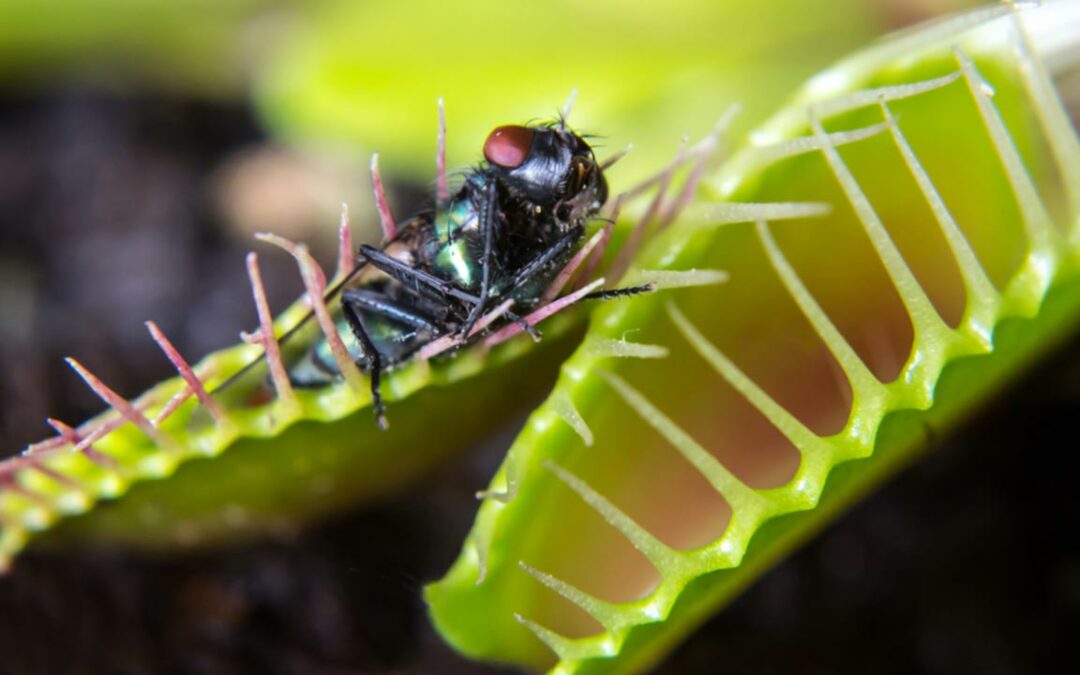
(508, 147)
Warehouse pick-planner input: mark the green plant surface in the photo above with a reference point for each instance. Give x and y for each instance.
(168, 471)
(646, 492)
(272, 465)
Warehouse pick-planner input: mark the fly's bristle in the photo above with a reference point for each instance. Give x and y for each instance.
(610, 161)
(564, 112)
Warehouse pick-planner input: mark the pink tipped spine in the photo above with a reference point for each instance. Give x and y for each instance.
(346, 261)
(389, 227)
(539, 315)
(266, 336)
(121, 405)
(189, 376)
(72, 436)
(442, 184)
(315, 285)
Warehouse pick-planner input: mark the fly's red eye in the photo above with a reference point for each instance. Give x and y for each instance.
(508, 146)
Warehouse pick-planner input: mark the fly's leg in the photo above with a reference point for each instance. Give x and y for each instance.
(413, 277)
(374, 359)
(377, 303)
(536, 264)
(410, 276)
(354, 300)
(487, 227)
(536, 316)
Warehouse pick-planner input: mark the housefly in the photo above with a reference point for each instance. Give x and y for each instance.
(505, 235)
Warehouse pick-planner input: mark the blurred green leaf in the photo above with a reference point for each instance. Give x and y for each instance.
(370, 73)
(199, 46)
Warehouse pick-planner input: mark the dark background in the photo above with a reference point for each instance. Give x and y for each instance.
(968, 562)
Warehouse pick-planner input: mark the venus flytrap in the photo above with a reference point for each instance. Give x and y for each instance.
(941, 261)
(278, 454)
(884, 254)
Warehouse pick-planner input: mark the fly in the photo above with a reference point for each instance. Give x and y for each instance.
(496, 244)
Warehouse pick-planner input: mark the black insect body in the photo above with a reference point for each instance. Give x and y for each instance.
(505, 235)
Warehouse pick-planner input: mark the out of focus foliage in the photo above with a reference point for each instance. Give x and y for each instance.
(646, 74)
(365, 75)
(206, 47)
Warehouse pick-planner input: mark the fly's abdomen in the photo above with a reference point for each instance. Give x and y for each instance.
(394, 340)
(317, 367)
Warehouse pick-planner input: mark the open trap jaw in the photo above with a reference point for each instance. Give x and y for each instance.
(150, 437)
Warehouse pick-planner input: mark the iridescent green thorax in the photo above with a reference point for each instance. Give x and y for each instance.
(448, 250)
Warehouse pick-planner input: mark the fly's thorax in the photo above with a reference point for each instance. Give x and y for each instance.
(452, 250)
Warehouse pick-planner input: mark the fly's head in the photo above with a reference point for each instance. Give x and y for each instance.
(551, 167)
